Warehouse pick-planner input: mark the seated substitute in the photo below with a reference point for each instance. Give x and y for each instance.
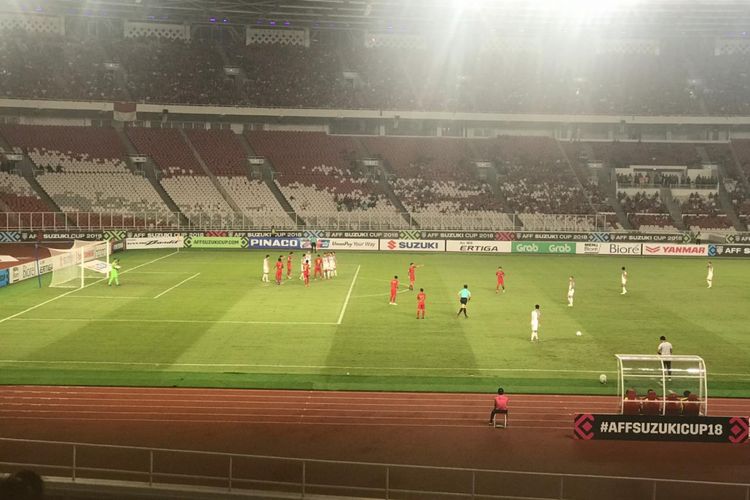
(631, 405)
(501, 407)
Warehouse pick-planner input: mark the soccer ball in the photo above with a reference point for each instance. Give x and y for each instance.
(578, 333)
(602, 379)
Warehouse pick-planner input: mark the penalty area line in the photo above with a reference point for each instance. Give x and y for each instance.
(180, 321)
(12, 316)
(178, 284)
(348, 296)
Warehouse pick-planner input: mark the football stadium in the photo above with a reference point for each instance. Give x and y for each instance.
(360, 249)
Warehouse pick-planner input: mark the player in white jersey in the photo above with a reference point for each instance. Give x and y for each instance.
(333, 264)
(536, 316)
(710, 275)
(302, 265)
(624, 281)
(571, 290)
(266, 269)
(326, 266)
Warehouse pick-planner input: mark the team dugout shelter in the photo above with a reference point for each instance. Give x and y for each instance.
(668, 376)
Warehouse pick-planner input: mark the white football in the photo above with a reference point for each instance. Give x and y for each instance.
(578, 333)
(602, 379)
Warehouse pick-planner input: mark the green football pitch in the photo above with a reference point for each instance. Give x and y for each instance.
(204, 318)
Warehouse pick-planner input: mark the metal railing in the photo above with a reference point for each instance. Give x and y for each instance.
(161, 467)
(343, 221)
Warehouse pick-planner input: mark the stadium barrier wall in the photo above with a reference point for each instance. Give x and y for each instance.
(536, 236)
(733, 430)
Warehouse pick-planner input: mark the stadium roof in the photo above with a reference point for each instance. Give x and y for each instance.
(722, 17)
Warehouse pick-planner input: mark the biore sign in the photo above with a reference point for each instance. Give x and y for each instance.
(669, 249)
(476, 246)
(542, 247)
(608, 248)
(413, 245)
(345, 244)
(155, 242)
(734, 430)
(280, 243)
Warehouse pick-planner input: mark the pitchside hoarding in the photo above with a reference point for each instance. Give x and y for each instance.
(675, 250)
(4, 278)
(734, 430)
(155, 242)
(729, 251)
(412, 245)
(608, 248)
(344, 244)
(478, 246)
(543, 247)
(276, 243)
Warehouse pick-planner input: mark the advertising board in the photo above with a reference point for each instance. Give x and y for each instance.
(276, 243)
(608, 248)
(4, 277)
(155, 242)
(729, 251)
(734, 430)
(346, 244)
(412, 245)
(675, 250)
(478, 246)
(545, 247)
(215, 242)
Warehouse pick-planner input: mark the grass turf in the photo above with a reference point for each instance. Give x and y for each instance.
(224, 328)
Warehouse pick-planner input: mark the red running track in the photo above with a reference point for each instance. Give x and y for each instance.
(410, 428)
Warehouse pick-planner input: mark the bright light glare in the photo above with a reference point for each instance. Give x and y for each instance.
(562, 8)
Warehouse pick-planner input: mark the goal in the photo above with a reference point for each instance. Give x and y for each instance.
(85, 260)
(663, 374)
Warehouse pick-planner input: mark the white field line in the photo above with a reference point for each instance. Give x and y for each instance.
(348, 296)
(161, 272)
(317, 367)
(178, 284)
(3, 320)
(178, 321)
(103, 297)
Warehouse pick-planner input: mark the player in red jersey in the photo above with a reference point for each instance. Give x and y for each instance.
(500, 279)
(394, 290)
(412, 274)
(289, 265)
(318, 271)
(306, 273)
(279, 270)
(421, 298)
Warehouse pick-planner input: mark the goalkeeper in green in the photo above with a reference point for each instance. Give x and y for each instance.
(114, 273)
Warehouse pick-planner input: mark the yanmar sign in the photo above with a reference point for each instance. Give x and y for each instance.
(413, 245)
(477, 246)
(668, 249)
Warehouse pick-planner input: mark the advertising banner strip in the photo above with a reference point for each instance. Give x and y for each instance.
(412, 245)
(277, 243)
(345, 244)
(734, 430)
(215, 242)
(478, 246)
(542, 247)
(729, 251)
(675, 250)
(155, 242)
(4, 277)
(608, 248)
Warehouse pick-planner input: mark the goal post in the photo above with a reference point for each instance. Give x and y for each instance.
(85, 260)
(663, 374)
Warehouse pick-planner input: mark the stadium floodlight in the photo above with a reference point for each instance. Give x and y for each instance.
(664, 374)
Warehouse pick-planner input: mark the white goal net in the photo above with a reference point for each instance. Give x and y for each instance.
(85, 260)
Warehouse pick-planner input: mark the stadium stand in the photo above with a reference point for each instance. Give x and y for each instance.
(317, 174)
(19, 196)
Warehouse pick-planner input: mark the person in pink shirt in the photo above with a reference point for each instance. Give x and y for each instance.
(501, 404)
